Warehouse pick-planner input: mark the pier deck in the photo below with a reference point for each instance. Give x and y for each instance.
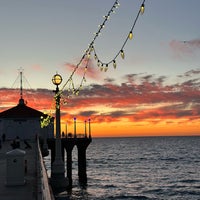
(29, 189)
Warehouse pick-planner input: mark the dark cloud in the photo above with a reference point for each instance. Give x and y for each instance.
(190, 73)
(140, 97)
(118, 114)
(109, 80)
(87, 113)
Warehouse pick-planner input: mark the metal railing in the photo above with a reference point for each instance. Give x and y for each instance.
(44, 191)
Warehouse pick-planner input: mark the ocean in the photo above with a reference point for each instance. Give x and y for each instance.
(149, 168)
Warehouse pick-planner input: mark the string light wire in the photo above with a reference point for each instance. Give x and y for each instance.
(91, 46)
(121, 51)
(87, 55)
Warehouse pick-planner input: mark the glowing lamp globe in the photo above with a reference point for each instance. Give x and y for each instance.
(57, 79)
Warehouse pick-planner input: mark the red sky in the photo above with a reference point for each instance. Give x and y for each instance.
(129, 103)
(142, 105)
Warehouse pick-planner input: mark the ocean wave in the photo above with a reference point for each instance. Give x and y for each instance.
(190, 181)
(129, 197)
(145, 168)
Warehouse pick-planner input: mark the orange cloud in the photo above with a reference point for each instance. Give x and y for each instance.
(143, 103)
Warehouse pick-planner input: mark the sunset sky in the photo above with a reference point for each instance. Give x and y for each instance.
(154, 90)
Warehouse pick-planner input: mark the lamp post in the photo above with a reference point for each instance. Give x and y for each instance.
(85, 129)
(89, 129)
(58, 179)
(75, 127)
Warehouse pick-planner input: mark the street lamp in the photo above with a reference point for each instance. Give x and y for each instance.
(57, 80)
(58, 178)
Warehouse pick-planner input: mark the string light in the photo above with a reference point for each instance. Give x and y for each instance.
(106, 68)
(101, 67)
(130, 36)
(91, 49)
(122, 54)
(84, 61)
(45, 120)
(95, 56)
(121, 51)
(114, 64)
(142, 9)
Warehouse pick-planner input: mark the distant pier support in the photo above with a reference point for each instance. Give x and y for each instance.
(68, 144)
(82, 144)
(82, 141)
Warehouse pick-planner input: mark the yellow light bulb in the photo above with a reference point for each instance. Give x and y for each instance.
(114, 64)
(122, 54)
(77, 92)
(95, 56)
(130, 36)
(101, 67)
(106, 68)
(91, 48)
(142, 9)
(98, 63)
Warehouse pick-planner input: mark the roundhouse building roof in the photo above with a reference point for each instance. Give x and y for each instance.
(21, 111)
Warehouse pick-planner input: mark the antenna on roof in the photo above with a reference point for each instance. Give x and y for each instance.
(21, 100)
(21, 78)
(21, 86)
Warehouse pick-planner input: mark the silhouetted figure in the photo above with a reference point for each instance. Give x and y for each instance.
(15, 143)
(4, 137)
(28, 146)
(70, 135)
(63, 134)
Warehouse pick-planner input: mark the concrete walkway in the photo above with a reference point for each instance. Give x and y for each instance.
(29, 189)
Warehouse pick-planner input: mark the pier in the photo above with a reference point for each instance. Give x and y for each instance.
(58, 144)
(36, 182)
(28, 136)
(35, 186)
(67, 147)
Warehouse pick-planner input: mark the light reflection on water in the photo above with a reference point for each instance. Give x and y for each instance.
(139, 168)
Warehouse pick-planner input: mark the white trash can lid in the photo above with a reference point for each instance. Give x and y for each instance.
(16, 152)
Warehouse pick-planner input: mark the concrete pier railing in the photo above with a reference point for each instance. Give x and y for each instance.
(44, 190)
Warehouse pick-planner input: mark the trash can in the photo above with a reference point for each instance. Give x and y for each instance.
(15, 167)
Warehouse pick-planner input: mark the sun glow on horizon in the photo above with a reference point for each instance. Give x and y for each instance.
(143, 108)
